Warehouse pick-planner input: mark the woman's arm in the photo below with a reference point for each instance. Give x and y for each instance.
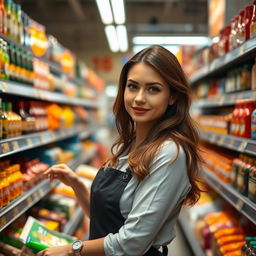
(90, 248)
(70, 178)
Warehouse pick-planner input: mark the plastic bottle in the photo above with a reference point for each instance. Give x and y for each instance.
(253, 22)
(5, 188)
(1, 120)
(239, 117)
(245, 121)
(252, 184)
(248, 20)
(234, 119)
(240, 36)
(253, 125)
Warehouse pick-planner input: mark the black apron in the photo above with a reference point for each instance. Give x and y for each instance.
(105, 215)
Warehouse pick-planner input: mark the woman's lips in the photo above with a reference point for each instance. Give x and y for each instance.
(140, 110)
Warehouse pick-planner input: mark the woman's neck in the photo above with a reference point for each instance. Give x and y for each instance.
(141, 135)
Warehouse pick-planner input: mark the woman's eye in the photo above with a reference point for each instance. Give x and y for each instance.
(132, 86)
(153, 89)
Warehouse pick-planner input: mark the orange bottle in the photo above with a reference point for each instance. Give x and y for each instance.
(5, 187)
(2, 18)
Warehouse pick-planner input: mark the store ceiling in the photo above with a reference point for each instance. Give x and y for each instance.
(77, 24)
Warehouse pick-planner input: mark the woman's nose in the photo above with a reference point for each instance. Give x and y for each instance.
(140, 96)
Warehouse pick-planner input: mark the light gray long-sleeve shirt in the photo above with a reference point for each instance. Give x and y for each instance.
(150, 207)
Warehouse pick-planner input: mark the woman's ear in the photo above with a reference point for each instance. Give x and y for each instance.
(171, 101)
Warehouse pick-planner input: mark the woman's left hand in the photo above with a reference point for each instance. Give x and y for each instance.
(57, 251)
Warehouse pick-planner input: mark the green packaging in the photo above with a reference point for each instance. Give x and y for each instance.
(37, 237)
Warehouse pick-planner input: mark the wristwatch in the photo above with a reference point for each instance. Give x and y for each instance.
(77, 247)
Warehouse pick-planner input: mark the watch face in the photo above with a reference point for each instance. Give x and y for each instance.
(77, 245)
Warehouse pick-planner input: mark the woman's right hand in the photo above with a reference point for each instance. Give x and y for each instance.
(63, 173)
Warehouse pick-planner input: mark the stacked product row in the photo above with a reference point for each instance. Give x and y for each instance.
(25, 117)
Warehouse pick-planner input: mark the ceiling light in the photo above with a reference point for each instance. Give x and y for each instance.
(105, 11)
(173, 49)
(112, 38)
(172, 40)
(118, 11)
(122, 38)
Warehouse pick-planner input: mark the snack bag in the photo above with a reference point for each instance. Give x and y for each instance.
(37, 237)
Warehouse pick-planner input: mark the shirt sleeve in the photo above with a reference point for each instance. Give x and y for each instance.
(156, 198)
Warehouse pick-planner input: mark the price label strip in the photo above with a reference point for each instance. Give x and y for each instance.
(242, 146)
(239, 204)
(29, 200)
(5, 147)
(29, 142)
(15, 145)
(4, 87)
(3, 221)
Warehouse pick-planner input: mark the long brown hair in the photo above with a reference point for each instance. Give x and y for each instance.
(176, 124)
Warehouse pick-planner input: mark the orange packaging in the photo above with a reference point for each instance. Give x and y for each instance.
(231, 247)
(228, 231)
(233, 253)
(230, 239)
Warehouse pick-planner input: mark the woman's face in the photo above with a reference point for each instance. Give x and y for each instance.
(146, 95)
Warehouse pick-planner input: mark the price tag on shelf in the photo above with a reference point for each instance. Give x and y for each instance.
(242, 146)
(53, 135)
(41, 192)
(231, 143)
(15, 145)
(29, 200)
(239, 204)
(241, 49)
(232, 99)
(221, 100)
(213, 138)
(62, 133)
(29, 142)
(4, 86)
(15, 212)
(36, 93)
(5, 147)
(3, 221)
(221, 140)
(240, 96)
(43, 139)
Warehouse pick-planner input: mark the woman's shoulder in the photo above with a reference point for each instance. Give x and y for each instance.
(170, 149)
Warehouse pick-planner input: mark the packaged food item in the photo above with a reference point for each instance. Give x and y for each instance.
(37, 237)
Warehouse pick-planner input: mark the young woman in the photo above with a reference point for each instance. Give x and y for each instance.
(137, 195)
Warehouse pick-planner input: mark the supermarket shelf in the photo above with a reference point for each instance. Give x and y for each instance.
(240, 202)
(187, 230)
(240, 54)
(224, 100)
(21, 204)
(18, 89)
(231, 142)
(74, 222)
(18, 144)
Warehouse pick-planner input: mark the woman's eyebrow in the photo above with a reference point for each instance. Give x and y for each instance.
(150, 83)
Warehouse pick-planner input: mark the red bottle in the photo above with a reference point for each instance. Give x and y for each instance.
(245, 121)
(248, 20)
(240, 35)
(234, 119)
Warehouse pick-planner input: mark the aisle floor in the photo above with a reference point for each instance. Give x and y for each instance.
(179, 246)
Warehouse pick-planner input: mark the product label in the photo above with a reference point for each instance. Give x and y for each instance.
(240, 181)
(1, 129)
(252, 187)
(5, 196)
(242, 129)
